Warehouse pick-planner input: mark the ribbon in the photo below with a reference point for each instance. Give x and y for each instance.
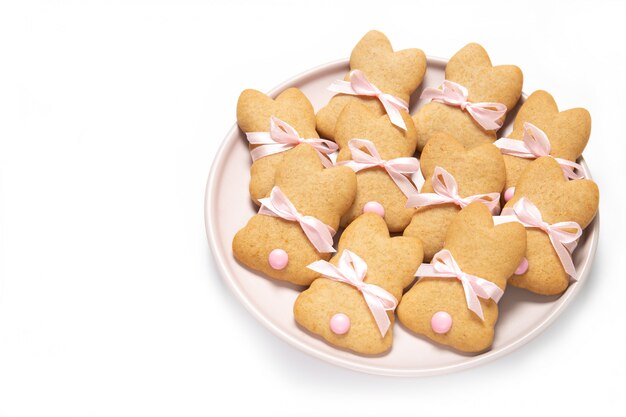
(447, 191)
(283, 137)
(360, 86)
(563, 240)
(319, 234)
(444, 265)
(535, 145)
(488, 115)
(396, 168)
(351, 270)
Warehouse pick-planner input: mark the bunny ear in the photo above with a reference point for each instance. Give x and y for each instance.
(372, 41)
(254, 110)
(437, 149)
(294, 97)
(471, 55)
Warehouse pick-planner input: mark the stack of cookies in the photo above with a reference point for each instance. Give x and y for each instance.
(341, 216)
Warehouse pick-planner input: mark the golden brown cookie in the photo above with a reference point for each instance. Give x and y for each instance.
(325, 194)
(391, 263)
(568, 131)
(437, 308)
(375, 184)
(254, 110)
(471, 68)
(558, 200)
(396, 73)
(479, 170)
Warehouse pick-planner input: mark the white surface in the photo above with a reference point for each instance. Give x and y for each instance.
(110, 115)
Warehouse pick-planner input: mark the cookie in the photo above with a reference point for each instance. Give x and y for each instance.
(254, 113)
(557, 200)
(397, 74)
(335, 309)
(476, 172)
(496, 86)
(486, 255)
(379, 186)
(282, 247)
(566, 134)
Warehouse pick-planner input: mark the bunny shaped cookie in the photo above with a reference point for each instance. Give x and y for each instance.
(278, 125)
(396, 74)
(454, 177)
(478, 95)
(555, 212)
(381, 178)
(455, 300)
(543, 130)
(352, 304)
(296, 224)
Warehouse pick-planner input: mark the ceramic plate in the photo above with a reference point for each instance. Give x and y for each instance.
(228, 208)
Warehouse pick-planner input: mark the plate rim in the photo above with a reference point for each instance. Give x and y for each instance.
(211, 188)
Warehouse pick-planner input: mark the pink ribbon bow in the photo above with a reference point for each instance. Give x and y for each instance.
(563, 240)
(319, 234)
(447, 191)
(283, 137)
(535, 145)
(396, 168)
(351, 270)
(444, 265)
(360, 86)
(488, 115)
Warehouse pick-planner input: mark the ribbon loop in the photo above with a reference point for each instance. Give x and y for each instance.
(352, 269)
(443, 265)
(282, 137)
(563, 235)
(319, 234)
(489, 116)
(398, 168)
(536, 144)
(359, 85)
(447, 191)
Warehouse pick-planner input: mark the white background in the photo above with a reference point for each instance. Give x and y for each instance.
(110, 115)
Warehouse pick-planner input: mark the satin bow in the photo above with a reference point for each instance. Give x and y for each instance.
(396, 168)
(351, 270)
(283, 137)
(447, 191)
(536, 144)
(563, 240)
(488, 115)
(443, 265)
(359, 85)
(278, 205)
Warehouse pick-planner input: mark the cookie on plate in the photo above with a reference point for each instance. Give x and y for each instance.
(546, 201)
(475, 174)
(296, 224)
(374, 62)
(454, 302)
(471, 80)
(352, 304)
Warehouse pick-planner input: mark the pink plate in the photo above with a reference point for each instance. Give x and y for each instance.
(523, 315)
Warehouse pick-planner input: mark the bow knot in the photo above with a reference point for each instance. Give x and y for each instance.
(446, 191)
(352, 269)
(359, 85)
(563, 235)
(397, 168)
(283, 137)
(443, 265)
(536, 144)
(319, 234)
(487, 114)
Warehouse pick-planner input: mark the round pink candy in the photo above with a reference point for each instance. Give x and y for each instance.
(522, 268)
(374, 207)
(441, 322)
(278, 259)
(508, 194)
(340, 323)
